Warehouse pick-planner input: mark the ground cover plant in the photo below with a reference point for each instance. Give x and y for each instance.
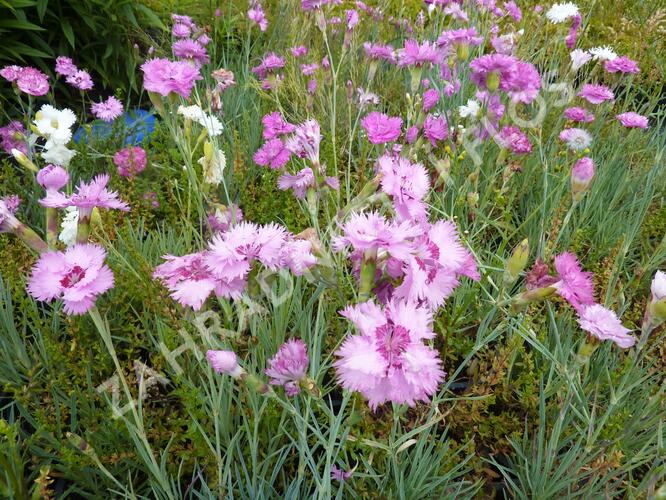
(337, 249)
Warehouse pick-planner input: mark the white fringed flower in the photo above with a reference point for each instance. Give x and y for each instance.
(560, 12)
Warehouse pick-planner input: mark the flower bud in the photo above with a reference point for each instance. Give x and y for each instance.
(581, 177)
(52, 177)
(656, 312)
(517, 262)
(225, 362)
(531, 296)
(23, 160)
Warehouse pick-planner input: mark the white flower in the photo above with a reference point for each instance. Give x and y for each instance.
(69, 226)
(212, 125)
(472, 109)
(193, 112)
(54, 124)
(579, 58)
(658, 287)
(560, 12)
(213, 170)
(58, 154)
(603, 53)
(577, 139)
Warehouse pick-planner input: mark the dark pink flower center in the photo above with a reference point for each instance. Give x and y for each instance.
(73, 277)
(392, 340)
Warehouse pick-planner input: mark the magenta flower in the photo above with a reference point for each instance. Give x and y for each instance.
(417, 55)
(463, 36)
(515, 140)
(8, 222)
(577, 114)
(65, 66)
(225, 362)
(270, 63)
(87, 196)
(107, 110)
(574, 285)
(389, 361)
(299, 183)
(28, 80)
(596, 94)
(52, 177)
(524, 83)
(513, 10)
(430, 99)
(257, 15)
(77, 276)
(80, 79)
(435, 129)
(273, 153)
(164, 77)
(12, 136)
(340, 475)
(604, 324)
(190, 50)
(180, 30)
(633, 120)
(377, 52)
(299, 51)
(130, 161)
(406, 183)
(305, 141)
(289, 366)
(412, 134)
(621, 65)
(497, 65)
(382, 128)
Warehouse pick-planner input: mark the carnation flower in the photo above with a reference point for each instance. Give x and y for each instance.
(296, 255)
(12, 136)
(273, 153)
(309, 69)
(582, 174)
(289, 366)
(54, 125)
(224, 78)
(513, 10)
(340, 475)
(225, 217)
(406, 183)
(165, 77)
(212, 125)
(269, 64)
(435, 129)
(365, 98)
(514, 139)
(596, 94)
(561, 12)
(52, 177)
(658, 286)
(604, 324)
(87, 196)
(80, 79)
(381, 128)
(524, 83)
(107, 110)
(299, 182)
(257, 15)
(577, 139)
(130, 161)
(389, 361)
(621, 65)
(305, 140)
(472, 109)
(579, 58)
(190, 50)
(578, 115)
(28, 80)
(633, 120)
(414, 54)
(213, 164)
(77, 276)
(574, 285)
(65, 66)
(493, 66)
(430, 99)
(275, 125)
(603, 54)
(463, 36)
(299, 51)
(69, 226)
(181, 30)
(8, 223)
(225, 362)
(377, 52)
(58, 154)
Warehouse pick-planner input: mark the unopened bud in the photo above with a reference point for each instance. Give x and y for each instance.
(517, 262)
(581, 177)
(23, 160)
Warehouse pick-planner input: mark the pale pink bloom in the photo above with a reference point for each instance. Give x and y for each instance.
(435, 129)
(275, 125)
(604, 324)
(77, 276)
(375, 51)
(417, 55)
(513, 10)
(88, 196)
(574, 285)
(633, 120)
(407, 183)
(577, 114)
(463, 36)
(579, 58)
(583, 172)
(514, 139)
(65, 66)
(165, 77)
(273, 153)
(305, 141)
(130, 161)
(296, 255)
(107, 110)
(180, 30)
(658, 286)
(190, 50)
(309, 69)
(299, 51)
(80, 80)
(8, 222)
(225, 217)
(382, 128)
(224, 78)
(299, 183)
(596, 94)
(621, 65)
(365, 98)
(454, 10)
(257, 15)
(225, 362)
(52, 177)
(27, 79)
(289, 366)
(388, 360)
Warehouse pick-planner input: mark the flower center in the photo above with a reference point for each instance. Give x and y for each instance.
(392, 340)
(73, 277)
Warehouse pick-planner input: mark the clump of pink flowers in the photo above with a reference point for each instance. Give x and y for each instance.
(289, 366)
(130, 161)
(27, 79)
(382, 128)
(166, 77)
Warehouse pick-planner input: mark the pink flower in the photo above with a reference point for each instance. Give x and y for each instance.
(621, 65)
(582, 174)
(463, 36)
(514, 139)
(574, 285)
(273, 154)
(430, 99)
(27, 79)
(305, 141)
(389, 361)
(12, 136)
(596, 94)
(130, 161)
(296, 255)
(289, 366)
(435, 129)
(381, 128)
(407, 183)
(225, 217)
(340, 475)
(604, 324)
(411, 134)
(299, 51)
(417, 55)
(8, 206)
(513, 10)
(11, 73)
(190, 50)
(524, 83)
(503, 66)
(578, 115)
(80, 79)
(309, 69)
(256, 15)
(275, 125)
(376, 52)
(77, 276)
(65, 66)
(224, 78)
(225, 362)
(107, 110)
(164, 77)
(269, 64)
(52, 177)
(299, 182)
(633, 120)
(181, 30)
(190, 281)
(87, 196)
